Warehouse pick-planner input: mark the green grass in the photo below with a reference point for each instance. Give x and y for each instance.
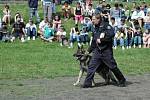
(35, 59)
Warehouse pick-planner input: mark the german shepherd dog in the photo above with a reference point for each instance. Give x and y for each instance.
(84, 60)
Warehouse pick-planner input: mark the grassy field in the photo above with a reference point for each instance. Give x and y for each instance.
(35, 59)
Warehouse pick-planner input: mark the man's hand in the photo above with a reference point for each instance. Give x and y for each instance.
(98, 41)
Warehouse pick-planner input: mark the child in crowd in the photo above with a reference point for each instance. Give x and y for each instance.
(18, 30)
(119, 36)
(78, 13)
(137, 37)
(42, 26)
(129, 38)
(61, 36)
(87, 23)
(147, 21)
(66, 9)
(48, 33)
(7, 14)
(4, 35)
(18, 15)
(146, 38)
(84, 38)
(90, 11)
(57, 22)
(31, 30)
(74, 36)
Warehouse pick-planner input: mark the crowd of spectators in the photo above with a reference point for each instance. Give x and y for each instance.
(131, 24)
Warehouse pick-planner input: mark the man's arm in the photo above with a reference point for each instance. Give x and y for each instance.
(107, 33)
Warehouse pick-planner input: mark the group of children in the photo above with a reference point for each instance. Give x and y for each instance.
(130, 28)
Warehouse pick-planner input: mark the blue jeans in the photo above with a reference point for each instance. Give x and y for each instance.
(34, 12)
(30, 32)
(53, 8)
(84, 38)
(129, 41)
(147, 26)
(74, 38)
(48, 10)
(137, 40)
(121, 42)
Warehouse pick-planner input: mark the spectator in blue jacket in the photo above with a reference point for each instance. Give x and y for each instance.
(33, 9)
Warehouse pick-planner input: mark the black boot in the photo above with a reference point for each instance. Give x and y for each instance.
(120, 77)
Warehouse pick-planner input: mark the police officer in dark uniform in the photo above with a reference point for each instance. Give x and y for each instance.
(102, 52)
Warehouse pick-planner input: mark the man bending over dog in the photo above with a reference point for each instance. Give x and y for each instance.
(103, 52)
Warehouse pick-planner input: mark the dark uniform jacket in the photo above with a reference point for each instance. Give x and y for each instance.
(106, 41)
(33, 3)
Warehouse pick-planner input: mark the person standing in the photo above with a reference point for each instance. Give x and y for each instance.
(33, 9)
(103, 53)
(47, 6)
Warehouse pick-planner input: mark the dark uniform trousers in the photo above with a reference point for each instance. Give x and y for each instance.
(97, 59)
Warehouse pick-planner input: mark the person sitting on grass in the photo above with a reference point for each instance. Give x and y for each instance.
(90, 11)
(147, 21)
(31, 30)
(129, 38)
(119, 36)
(4, 34)
(78, 13)
(84, 38)
(42, 26)
(74, 36)
(138, 15)
(87, 23)
(146, 38)
(18, 30)
(56, 22)
(66, 10)
(137, 37)
(7, 14)
(61, 35)
(18, 15)
(48, 35)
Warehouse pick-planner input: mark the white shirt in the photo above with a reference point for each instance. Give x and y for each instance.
(137, 15)
(31, 26)
(42, 25)
(61, 33)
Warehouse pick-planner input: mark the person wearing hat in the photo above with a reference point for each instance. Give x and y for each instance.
(101, 47)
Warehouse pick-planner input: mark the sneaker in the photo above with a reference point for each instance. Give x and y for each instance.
(123, 48)
(33, 38)
(115, 47)
(22, 40)
(28, 38)
(134, 46)
(70, 46)
(129, 47)
(50, 41)
(61, 44)
(12, 39)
